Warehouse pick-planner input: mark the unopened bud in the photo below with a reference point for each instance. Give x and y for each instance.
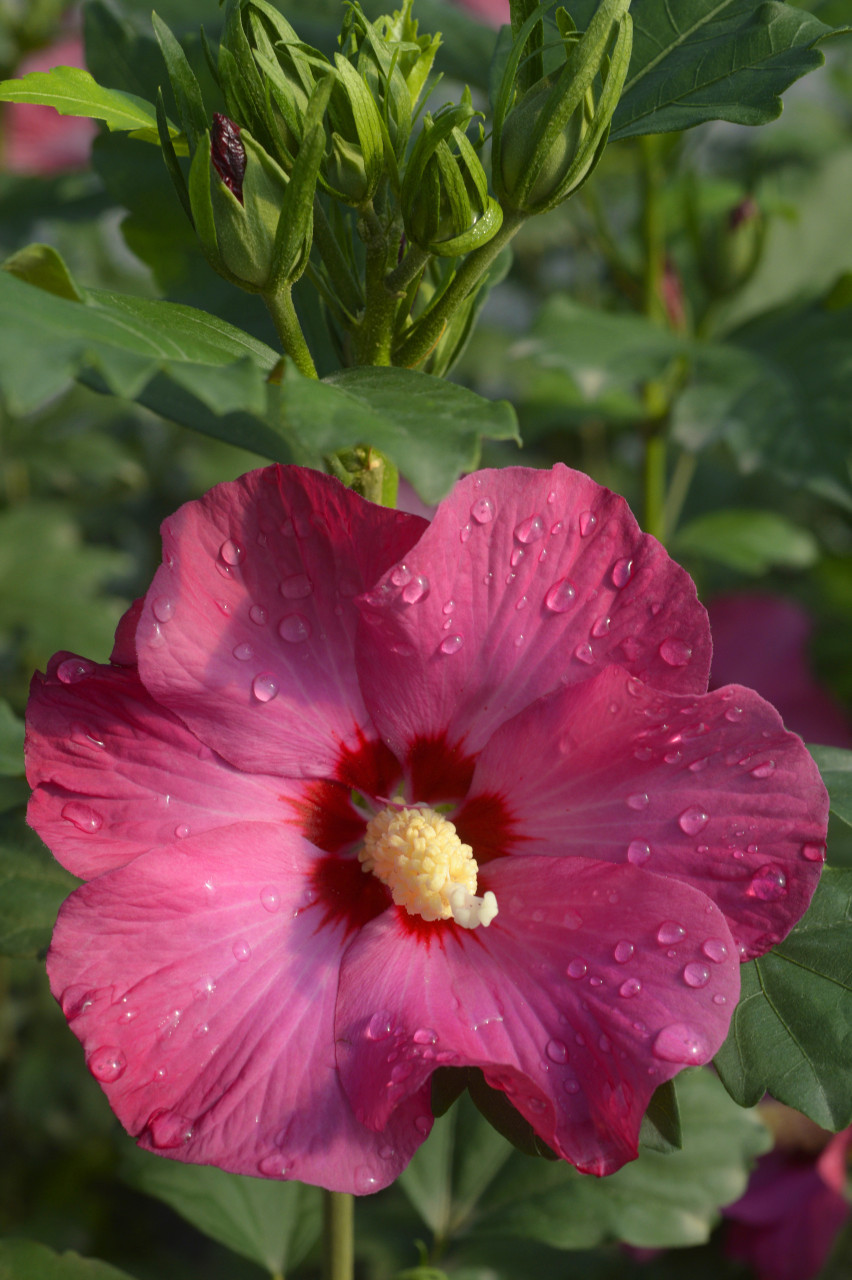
(733, 249)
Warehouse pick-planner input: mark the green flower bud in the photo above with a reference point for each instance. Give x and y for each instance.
(732, 251)
(346, 172)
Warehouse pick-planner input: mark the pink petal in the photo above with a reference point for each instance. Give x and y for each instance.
(505, 596)
(711, 790)
(114, 773)
(202, 985)
(568, 1001)
(247, 630)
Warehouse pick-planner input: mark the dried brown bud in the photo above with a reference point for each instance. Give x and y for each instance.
(228, 154)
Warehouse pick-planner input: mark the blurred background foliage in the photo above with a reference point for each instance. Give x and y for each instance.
(741, 347)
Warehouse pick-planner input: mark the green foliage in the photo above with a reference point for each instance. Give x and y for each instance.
(32, 888)
(73, 92)
(26, 1260)
(751, 542)
(835, 765)
(790, 1033)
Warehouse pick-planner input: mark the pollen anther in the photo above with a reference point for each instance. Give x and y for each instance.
(419, 856)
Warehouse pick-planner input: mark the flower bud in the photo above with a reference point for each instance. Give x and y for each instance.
(733, 249)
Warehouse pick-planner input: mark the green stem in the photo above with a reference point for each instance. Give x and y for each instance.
(280, 307)
(429, 326)
(345, 285)
(682, 473)
(398, 280)
(655, 484)
(374, 336)
(339, 1239)
(653, 231)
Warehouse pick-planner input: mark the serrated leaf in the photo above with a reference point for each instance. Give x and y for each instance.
(748, 541)
(791, 1033)
(11, 741)
(835, 765)
(33, 886)
(273, 1223)
(27, 1260)
(656, 1201)
(74, 92)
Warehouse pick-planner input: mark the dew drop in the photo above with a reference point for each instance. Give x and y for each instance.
(73, 670)
(638, 852)
(451, 644)
(416, 590)
(601, 626)
(241, 950)
(296, 587)
(698, 766)
(516, 557)
(557, 1051)
(258, 615)
(561, 597)
(448, 607)
(482, 511)
(401, 575)
(162, 608)
(634, 686)
(107, 1063)
(555, 528)
(379, 1026)
(733, 714)
(714, 949)
(168, 1129)
(595, 982)
(587, 523)
(577, 969)
(294, 628)
(674, 652)
(264, 687)
(571, 1085)
(423, 1124)
(670, 932)
(720, 999)
(530, 530)
(643, 753)
(696, 975)
(622, 572)
(693, 820)
(82, 816)
(231, 552)
(425, 1035)
(243, 653)
(768, 884)
(583, 653)
(270, 898)
(630, 987)
(672, 757)
(623, 951)
(465, 532)
(522, 603)
(274, 1166)
(680, 1043)
(813, 852)
(764, 770)
(183, 831)
(638, 800)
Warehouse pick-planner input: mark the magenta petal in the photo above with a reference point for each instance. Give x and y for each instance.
(523, 580)
(247, 631)
(711, 790)
(202, 983)
(569, 1001)
(113, 773)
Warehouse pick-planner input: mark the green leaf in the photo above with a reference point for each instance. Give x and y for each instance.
(661, 1127)
(656, 1201)
(73, 92)
(11, 741)
(32, 888)
(273, 1223)
(791, 1033)
(700, 60)
(748, 541)
(27, 1260)
(41, 265)
(835, 765)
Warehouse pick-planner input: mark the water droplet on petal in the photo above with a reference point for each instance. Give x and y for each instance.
(423, 1124)
(241, 950)
(600, 627)
(274, 1166)
(714, 949)
(107, 1063)
(451, 644)
(630, 987)
(231, 552)
(73, 670)
(167, 1129)
(416, 590)
(425, 1035)
(82, 816)
(243, 652)
(448, 607)
(482, 511)
(768, 884)
(623, 951)
(693, 820)
(672, 757)
(587, 523)
(530, 530)
(680, 1043)
(400, 575)
(264, 687)
(562, 596)
(522, 603)
(622, 572)
(670, 932)
(733, 714)
(162, 608)
(557, 1051)
(577, 969)
(379, 1026)
(696, 975)
(717, 999)
(638, 800)
(638, 852)
(813, 852)
(465, 532)
(183, 831)
(674, 652)
(634, 686)
(294, 628)
(258, 615)
(583, 653)
(296, 587)
(270, 898)
(764, 770)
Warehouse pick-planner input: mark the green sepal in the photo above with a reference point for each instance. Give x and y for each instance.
(170, 157)
(367, 471)
(352, 106)
(294, 231)
(201, 203)
(185, 87)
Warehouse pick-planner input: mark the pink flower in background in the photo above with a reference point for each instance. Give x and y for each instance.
(761, 640)
(786, 1223)
(362, 795)
(37, 140)
(493, 12)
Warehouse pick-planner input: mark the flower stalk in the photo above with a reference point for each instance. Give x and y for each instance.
(338, 1236)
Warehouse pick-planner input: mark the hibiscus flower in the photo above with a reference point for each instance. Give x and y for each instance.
(362, 795)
